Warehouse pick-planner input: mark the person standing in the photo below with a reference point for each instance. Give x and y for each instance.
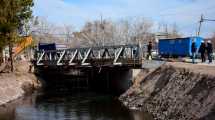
(209, 51)
(202, 50)
(149, 50)
(193, 51)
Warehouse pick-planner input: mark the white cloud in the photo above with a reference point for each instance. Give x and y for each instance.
(183, 12)
(188, 15)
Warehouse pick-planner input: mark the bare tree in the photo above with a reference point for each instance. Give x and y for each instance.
(45, 32)
(169, 31)
(174, 32)
(68, 32)
(134, 31)
(142, 30)
(96, 33)
(99, 33)
(42, 30)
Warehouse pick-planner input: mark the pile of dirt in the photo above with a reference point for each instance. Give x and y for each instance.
(174, 92)
(18, 83)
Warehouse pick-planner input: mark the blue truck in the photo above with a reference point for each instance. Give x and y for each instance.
(177, 47)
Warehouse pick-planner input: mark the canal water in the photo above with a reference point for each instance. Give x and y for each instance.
(69, 106)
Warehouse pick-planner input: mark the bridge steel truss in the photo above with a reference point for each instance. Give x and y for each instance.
(121, 55)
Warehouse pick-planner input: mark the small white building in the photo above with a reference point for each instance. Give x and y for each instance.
(5, 53)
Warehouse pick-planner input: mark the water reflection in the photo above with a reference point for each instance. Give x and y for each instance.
(72, 106)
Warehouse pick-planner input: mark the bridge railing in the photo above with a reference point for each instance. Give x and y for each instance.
(91, 56)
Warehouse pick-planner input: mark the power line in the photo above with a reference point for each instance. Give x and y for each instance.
(202, 19)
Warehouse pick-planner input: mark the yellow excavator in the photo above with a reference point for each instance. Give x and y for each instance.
(24, 43)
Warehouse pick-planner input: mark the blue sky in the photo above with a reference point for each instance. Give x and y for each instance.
(185, 13)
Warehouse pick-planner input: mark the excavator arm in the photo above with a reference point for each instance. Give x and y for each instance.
(25, 42)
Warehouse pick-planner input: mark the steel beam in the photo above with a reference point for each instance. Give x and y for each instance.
(61, 57)
(85, 58)
(73, 57)
(40, 58)
(117, 56)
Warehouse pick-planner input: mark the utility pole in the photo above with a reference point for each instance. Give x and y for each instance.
(202, 19)
(200, 24)
(102, 29)
(166, 31)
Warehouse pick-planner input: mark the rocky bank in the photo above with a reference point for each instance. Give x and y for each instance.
(17, 84)
(174, 91)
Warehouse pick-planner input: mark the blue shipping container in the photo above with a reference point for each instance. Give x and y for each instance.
(178, 46)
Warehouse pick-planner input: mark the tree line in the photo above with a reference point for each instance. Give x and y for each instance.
(13, 15)
(101, 32)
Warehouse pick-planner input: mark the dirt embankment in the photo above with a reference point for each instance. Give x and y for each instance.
(17, 84)
(175, 92)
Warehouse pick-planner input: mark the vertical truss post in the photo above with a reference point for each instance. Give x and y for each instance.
(50, 56)
(73, 57)
(131, 52)
(106, 54)
(40, 58)
(61, 57)
(115, 53)
(85, 57)
(99, 54)
(117, 57)
(79, 53)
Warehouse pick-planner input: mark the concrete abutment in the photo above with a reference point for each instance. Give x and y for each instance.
(111, 79)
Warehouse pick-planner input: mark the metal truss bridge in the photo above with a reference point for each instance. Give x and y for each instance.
(110, 56)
